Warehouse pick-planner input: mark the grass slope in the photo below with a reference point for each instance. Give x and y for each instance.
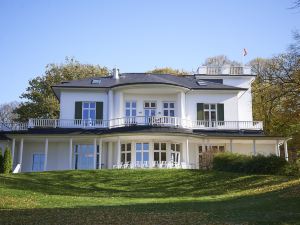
(148, 197)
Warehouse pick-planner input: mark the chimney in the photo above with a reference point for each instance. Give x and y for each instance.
(116, 73)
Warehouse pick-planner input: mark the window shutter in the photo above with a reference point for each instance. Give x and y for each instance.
(78, 110)
(99, 110)
(220, 112)
(200, 111)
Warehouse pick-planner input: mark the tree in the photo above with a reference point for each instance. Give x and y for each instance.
(7, 114)
(168, 70)
(41, 102)
(220, 60)
(1, 161)
(7, 164)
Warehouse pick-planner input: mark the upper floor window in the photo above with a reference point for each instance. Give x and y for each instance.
(130, 108)
(89, 110)
(169, 108)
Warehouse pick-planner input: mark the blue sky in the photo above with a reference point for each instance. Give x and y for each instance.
(135, 35)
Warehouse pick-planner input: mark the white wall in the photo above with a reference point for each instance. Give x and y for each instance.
(68, 99)
(229, 100)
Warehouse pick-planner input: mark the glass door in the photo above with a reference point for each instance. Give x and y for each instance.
(150, 112)
(175, 154)
(84, 157)
(130, 112)
(142, 154)
(38, 160)
(210, 115)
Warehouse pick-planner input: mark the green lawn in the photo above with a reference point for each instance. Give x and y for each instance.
(148, 197)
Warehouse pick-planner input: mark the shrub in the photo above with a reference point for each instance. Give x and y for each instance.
(259, 164)
(1, 161)
(7, 164)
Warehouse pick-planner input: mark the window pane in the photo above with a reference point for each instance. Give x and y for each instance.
(213, 116)
(128, 157)
(123, 158)
(133, 104)
(127, 112)
(156, 156)
(221, 148)
(178, 147)
(213, 106)
(163, 156)
(156, 146)
(200, 149)
(85, 105)
(128, 147)
(122, 147)
(138, 156)
(92, 114)
(153, 105)
(146, 156)
(163, 146)
(206, 115)
(85, 115)
(166, 113)
(166, 105)
(152, 112)
(146, 104)
(206, 106)
(138, 146)
(133, 112)
(127, 104)
(172, 113)
(173, 147)
(92, 105)
(172, 105)
(146, 147)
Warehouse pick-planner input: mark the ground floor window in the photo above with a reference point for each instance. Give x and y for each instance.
(142, 153)
(84, 157)
(126, 153)
(205, 154)
(160, 152)
(175, 153)
(38, 161)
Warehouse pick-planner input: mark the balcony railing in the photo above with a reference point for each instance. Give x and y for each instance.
(159, 121)
(224, 70)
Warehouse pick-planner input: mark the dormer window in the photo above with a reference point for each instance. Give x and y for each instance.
(96, 81)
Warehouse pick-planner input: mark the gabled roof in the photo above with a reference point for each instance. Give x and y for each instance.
(188, 81)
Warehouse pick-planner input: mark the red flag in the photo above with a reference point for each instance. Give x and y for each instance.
(245, 52)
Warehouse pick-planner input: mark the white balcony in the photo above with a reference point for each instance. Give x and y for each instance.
(156, 121)
(224, 70)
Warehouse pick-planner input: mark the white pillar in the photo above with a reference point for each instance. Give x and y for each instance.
(110, 158)
(119, 151)
(110, 107)
(100, 153)
(46, 154)
(254, 147)
(13, 151)
(187, 153)
(181, 105)
(286, 153)
(21, 151)
(277, 150)
(70, 153)
(231, 145)
(95, 152)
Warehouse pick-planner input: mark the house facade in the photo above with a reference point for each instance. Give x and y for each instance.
(141, 120)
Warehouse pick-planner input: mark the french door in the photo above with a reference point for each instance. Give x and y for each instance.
(83, 157)
(150, 111)
(175, 153)
(142, 154)
(210, 115)
(130, 112)
(38, 161)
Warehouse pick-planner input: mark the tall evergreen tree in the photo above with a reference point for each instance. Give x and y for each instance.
(7, 164)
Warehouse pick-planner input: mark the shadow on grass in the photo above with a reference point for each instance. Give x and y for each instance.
(267, 208)
(137, 183)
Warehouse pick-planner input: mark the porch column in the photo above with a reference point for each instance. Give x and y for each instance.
(286, 153)
(13, 151)
(277, 150)
(231, 147)
(95, 152)
(100, 153)
(110, 107)
(119, 151)
(109, 163)
(187, 153)
(181, 106)
(254, 147)
(70, 152)
(21, 152)
(46, 154)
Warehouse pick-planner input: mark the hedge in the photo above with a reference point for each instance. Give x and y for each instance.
(1, 161)
(258, 164)
(7, 164)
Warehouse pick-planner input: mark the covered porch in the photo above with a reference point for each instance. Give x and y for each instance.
(43, 153)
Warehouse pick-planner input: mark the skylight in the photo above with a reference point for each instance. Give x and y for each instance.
(201, 83)
(96, 81)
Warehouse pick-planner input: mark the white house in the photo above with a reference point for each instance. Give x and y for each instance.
(141, 120)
